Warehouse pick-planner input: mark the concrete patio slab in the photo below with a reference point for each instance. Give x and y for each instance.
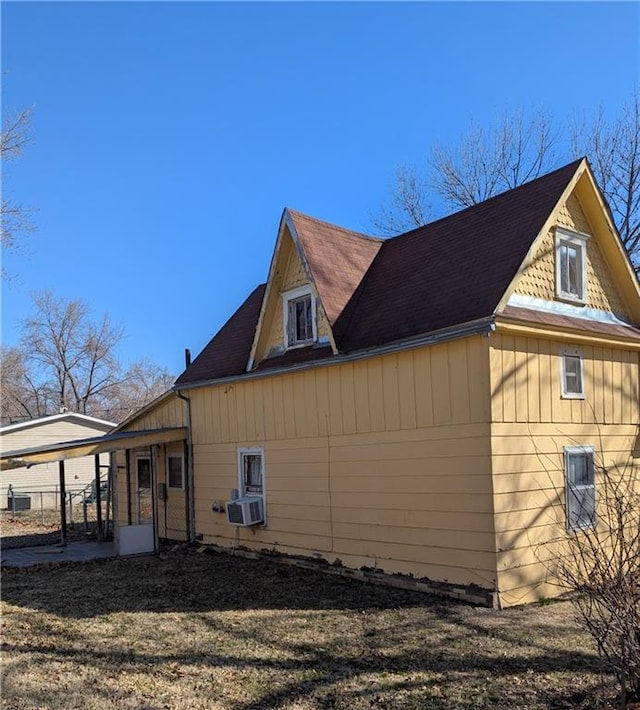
(72, 552)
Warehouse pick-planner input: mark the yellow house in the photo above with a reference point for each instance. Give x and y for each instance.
(429, 407)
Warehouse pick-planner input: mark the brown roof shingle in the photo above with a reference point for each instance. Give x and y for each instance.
(227, 353)
(376, 292)
(451, 271)
(338, 259)
(568, 323)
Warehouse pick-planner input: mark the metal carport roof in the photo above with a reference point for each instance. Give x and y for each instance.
(87, 447)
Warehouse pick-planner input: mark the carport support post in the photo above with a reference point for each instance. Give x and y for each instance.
(98, 499)
(63, 507)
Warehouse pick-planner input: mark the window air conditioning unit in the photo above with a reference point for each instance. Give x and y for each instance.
(246, 511)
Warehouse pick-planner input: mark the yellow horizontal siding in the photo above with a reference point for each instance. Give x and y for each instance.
(351, 469)
(531, 425)
(529, 494)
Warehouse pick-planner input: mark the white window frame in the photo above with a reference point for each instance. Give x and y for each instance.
(577, 240)
(293, 295)
(175, 456)
(250, 451)
(571, 353)
(589, 452)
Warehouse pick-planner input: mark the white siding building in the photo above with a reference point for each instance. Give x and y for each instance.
(41, 482)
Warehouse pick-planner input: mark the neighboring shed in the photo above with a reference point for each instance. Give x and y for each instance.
(40, 482)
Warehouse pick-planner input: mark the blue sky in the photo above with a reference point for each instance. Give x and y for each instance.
(168, 137)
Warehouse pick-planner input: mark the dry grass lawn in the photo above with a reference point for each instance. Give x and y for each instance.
(214, 631)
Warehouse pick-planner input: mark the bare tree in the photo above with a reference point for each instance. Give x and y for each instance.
(600, 565)
(519, 148)
(15, 218)
(74, 355)
(613, 147)
(21, 398)
(407, 207)
(142, 382)
(485, 162)
(66, 360)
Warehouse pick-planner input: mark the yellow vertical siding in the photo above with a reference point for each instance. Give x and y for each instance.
(383, 462)
(169, 413)
(527, 452)
(518, 395)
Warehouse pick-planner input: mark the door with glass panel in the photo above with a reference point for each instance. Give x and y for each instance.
(145, 500)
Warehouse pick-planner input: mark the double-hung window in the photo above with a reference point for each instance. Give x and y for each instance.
(299, 317)
(571, 266)
(572, 374)
(251, 472)
(580, 487)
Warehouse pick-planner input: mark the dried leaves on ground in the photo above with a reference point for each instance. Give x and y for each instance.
(216, 631)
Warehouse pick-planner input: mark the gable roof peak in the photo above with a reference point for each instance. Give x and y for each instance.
(337, 258)
(291, 216)
(447, 272)
(567, 170)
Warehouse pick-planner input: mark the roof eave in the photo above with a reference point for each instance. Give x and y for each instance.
(479, 326)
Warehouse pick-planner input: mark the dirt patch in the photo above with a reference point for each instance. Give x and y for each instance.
(30, 527)
(213, 631)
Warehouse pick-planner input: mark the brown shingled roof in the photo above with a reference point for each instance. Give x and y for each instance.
(338, 259)
(227, 352)
(568, 323)
(451, 271)
(376, 292)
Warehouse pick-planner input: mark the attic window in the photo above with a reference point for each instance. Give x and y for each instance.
(299, 317)
(571, 266)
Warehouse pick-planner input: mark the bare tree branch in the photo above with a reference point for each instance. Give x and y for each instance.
(613, 148)
(407, 207)
(68, 361)
(487, 162)
(519, 148)
(15, 218)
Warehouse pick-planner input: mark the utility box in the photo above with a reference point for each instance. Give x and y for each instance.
(18, 501)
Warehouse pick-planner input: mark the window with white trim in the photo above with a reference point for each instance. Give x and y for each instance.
(250, 472)
(571, 266)
(571, 371)
(299, 316)
(175, 471)
(580, 487)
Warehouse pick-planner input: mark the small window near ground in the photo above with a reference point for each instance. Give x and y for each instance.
(175, 471)
(251, 473)
(571, 269)
(299, 317)
(572, 375)
(580, 487)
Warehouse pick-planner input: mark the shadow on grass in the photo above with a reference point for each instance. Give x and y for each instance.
(190, 582)
(364, 646)
(428, 677)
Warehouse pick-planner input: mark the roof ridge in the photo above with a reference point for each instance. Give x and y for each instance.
(346, 230)
(509, 191)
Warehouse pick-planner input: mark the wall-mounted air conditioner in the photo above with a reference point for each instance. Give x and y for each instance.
(246, 511)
